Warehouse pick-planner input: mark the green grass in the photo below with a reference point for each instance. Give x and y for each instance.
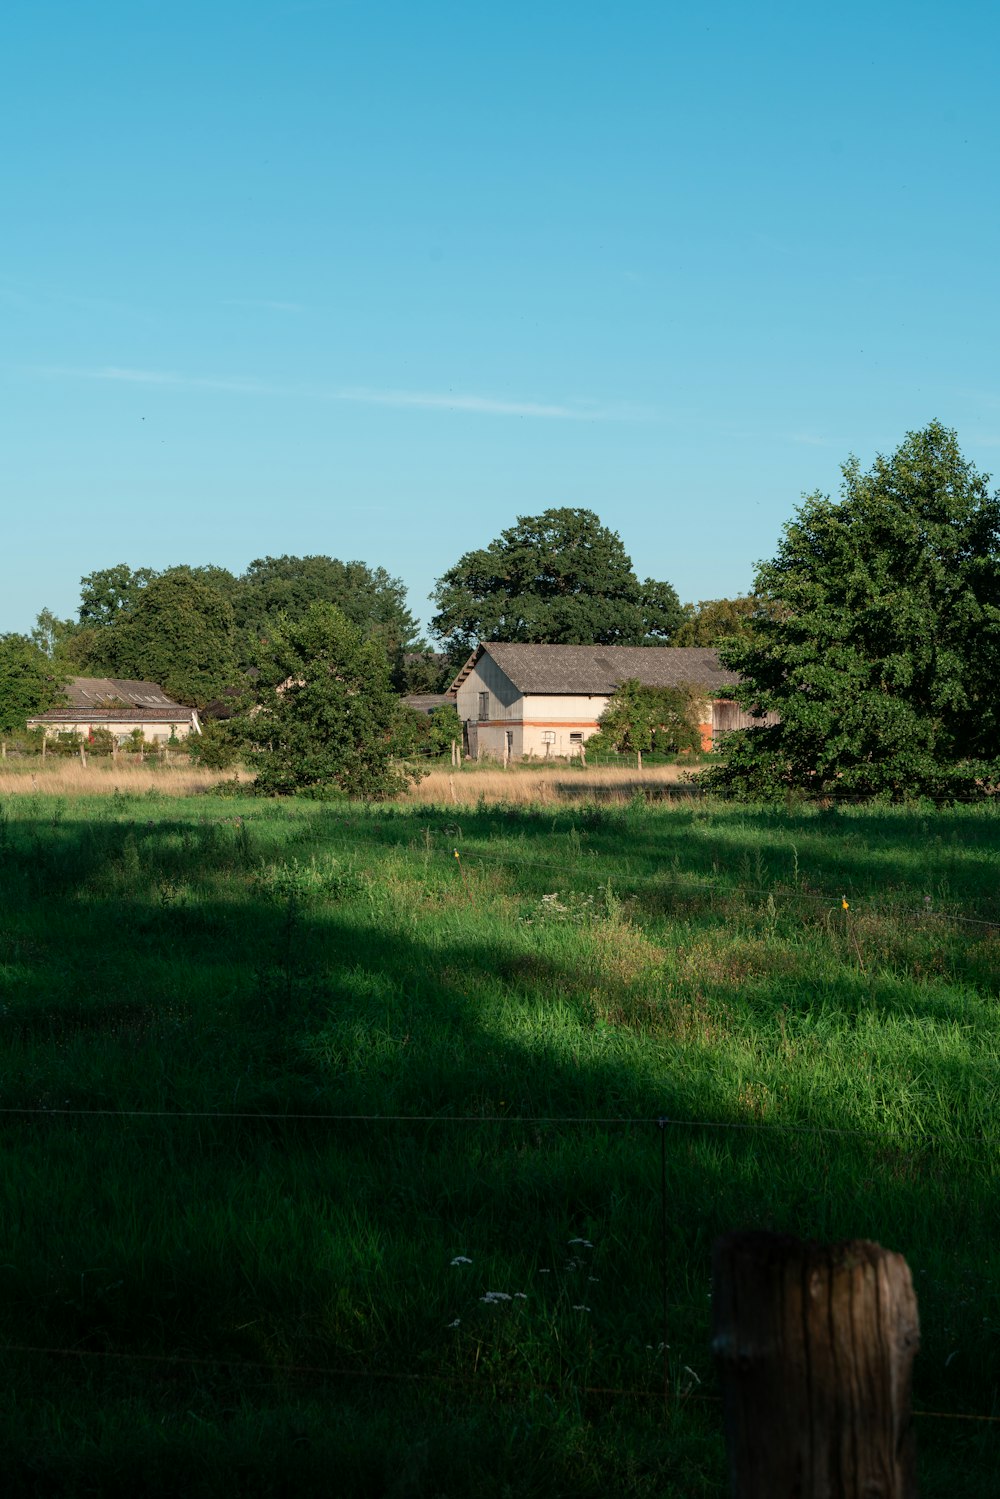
(257, 1300)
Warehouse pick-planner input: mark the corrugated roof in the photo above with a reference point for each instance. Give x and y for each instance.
(599, 669)
(174, 713)
(90, 692)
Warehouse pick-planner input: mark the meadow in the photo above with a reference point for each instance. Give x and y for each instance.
(380, 1150)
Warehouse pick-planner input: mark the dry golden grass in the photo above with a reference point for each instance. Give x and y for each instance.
(520, 784)
(524, 785)
(104, 777)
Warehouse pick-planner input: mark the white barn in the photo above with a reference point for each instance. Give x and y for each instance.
(120, 705)
(538, 701)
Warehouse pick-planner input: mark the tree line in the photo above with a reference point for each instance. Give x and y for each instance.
(197, 631)
(874, 633)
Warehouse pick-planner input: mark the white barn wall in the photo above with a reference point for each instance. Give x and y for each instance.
(528, 717)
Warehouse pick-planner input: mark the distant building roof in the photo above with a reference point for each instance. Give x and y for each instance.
(96, 692)
(426, 702)
(93, 699)
(598, 669)
(173, 713)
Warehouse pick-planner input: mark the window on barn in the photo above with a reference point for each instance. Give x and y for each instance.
(484, 705)
(576, 739)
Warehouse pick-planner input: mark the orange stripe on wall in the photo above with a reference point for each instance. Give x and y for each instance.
(535, 723)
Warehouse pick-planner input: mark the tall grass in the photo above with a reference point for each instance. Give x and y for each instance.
(104, 776)
(532, 786)
(361, 1093)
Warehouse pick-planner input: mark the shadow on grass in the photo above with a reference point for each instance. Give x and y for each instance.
(148, 968)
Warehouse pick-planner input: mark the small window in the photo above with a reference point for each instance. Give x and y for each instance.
(484, 705)
(549, 736)
(576, 739)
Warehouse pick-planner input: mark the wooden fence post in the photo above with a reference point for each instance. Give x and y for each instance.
(815, 1346)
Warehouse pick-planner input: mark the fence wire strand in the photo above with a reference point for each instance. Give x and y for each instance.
(329, 1371)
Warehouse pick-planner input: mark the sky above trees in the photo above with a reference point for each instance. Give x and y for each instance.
(371, 281)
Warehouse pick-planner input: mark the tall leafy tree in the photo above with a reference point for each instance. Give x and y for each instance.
(880, 646)
(29, 683)
(180, 633)
(109, 591)
(68, 644)
(325, 714)
(286, 587)
(711, 621)
(560, 577)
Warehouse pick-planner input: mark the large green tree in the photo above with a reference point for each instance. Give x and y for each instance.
(109, 591)
(29, 683)
(880, 645)
(712, 621)
(325, 715)
(286, 587)
(561, 577)
(180, 632)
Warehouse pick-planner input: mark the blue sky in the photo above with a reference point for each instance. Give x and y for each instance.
(372, 279)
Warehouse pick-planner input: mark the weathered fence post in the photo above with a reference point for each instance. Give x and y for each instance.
(815, 1346)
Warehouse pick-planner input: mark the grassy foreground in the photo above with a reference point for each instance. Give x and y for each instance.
(227, 1291)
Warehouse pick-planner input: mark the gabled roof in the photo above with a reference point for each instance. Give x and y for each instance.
(92, 692)
(88, 700)
(598, 669)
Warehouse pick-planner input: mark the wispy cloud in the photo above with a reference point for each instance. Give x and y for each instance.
(267, 303)
(465, 401)
(427, 400)
(125, 376)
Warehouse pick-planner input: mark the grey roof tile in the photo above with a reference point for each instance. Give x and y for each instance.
(599, 669)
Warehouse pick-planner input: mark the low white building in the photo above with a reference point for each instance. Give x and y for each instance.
(539, 701)
(121, 706)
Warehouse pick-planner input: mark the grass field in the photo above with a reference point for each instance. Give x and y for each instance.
(453, 1286)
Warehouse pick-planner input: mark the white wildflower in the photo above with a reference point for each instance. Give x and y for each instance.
(492, 1297)
(581, 1308)
(461, 1259)
(457, 1322)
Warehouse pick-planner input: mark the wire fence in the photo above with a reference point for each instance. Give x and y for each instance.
(668, 884)
(661, 1121)
(669, 1392)
(519, 1387)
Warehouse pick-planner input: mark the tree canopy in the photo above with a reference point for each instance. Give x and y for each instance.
(711, 621)
(559, 578)
(180, 633)
(273, 587)
(29, 683)
(648, 720)
(325, 714)
(880, 643)
(105, 593)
